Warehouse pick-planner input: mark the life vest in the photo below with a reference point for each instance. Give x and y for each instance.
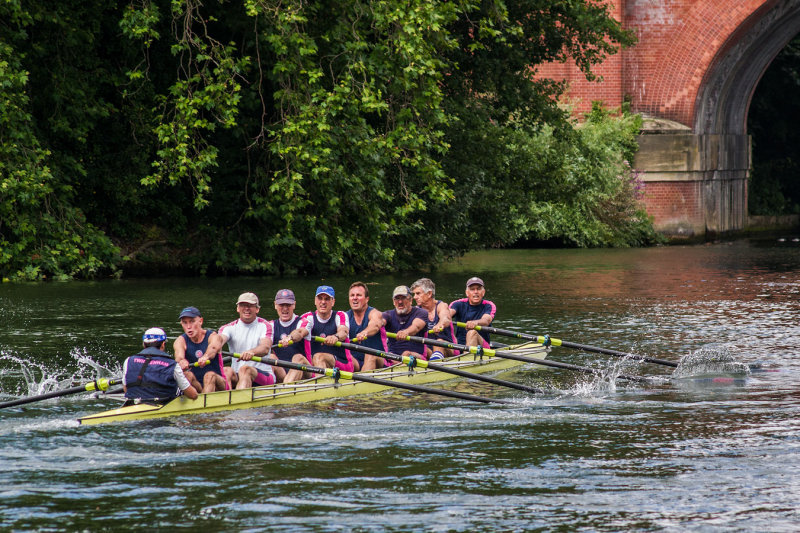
(150, 375)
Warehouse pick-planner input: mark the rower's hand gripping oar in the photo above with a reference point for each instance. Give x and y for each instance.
(550, 341)
(490, 352)
(337, 374)
(96, 385)
(422, 363)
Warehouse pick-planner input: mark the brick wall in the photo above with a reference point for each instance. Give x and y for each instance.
(676, 207)
(662, 74)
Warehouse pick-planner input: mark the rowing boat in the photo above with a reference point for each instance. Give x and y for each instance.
(314, 389)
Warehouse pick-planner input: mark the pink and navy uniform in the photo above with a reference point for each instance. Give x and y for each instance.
(448, 334)
(318, 328)
(376, 342)
(281, 332)
(150, 375)
(396, 322)
(466, 312)
(195, 350)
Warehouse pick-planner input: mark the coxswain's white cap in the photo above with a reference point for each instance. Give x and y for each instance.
(154, 335)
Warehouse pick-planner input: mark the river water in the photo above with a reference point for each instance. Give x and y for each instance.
(588, 455)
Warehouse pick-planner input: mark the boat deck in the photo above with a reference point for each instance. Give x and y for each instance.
(314, 389)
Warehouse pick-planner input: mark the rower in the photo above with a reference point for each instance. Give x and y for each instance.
(473, 311)
(325, 322)
(404, 320)
(191, 346)
(282, 327)
(152, 375)
(438, 324)
(366, 327)
(248, 336)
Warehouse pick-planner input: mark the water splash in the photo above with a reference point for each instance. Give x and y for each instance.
(710, 361)
(22, 376)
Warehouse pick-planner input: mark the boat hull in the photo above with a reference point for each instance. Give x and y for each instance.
(315, 389)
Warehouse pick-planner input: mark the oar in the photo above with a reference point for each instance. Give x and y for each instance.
(489, 352)
(336, 374)
(566, 344)
(434, 366)
(96, 385)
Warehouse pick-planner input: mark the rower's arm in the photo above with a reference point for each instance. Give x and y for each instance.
(179, 349)
(263, 346)
(485, 320)
(214, 346)
(298, 334)
(341, 333)
(416, 326)
(444, 315)
(374, 324)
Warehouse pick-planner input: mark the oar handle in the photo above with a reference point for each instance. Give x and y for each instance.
(329, 372)
(439, 367)
(101, 384)
(336, 374)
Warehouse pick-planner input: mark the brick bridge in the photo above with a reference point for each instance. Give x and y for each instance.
(691, 75)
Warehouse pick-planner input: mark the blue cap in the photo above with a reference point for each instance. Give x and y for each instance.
(191, 312)
(326, 289)
(154, 335)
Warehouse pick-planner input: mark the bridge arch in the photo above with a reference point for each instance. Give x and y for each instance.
(724, 99)
(692, 75)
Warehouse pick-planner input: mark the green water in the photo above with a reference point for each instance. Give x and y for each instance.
(588, 455)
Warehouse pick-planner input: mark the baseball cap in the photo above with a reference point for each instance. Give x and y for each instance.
(154, 335)
(191, 312)
(475, 281)
(326, 289)
(284, 296)
(401, 290)
(248, 298)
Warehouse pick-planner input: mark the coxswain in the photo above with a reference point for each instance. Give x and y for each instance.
(191, 346)
(438, 324)
(330, 324)
(152, 375)
(404, 320)
(249, 336)
(366, 327)
(473, 310)
(282, 327)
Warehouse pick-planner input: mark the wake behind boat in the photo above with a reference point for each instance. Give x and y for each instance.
(314, 389)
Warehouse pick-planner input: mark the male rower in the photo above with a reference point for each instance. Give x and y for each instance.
(330, 324)
(191, 346)
(404, 320)
(473, 311)
(437, 323)
(152, 375)
(282, 327)
(366, 327)
(249, 336)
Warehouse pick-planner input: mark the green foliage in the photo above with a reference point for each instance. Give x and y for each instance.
(41, 234)
(300, 136)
